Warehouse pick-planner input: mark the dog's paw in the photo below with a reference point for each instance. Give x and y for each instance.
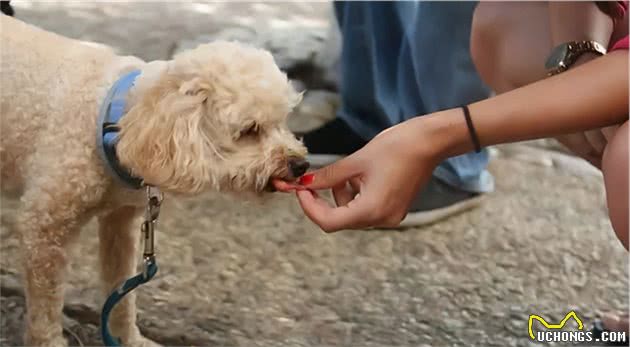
(141, 341)
(56, 341)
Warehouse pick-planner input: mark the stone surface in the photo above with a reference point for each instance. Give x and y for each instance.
(239, 274)
(307, 49)
(534, 153)
(317, 108)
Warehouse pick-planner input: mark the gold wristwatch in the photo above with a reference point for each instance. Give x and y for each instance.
(565, 55)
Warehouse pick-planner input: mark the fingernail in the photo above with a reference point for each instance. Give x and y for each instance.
(306, 179)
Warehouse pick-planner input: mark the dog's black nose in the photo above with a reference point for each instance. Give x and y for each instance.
(298, 166)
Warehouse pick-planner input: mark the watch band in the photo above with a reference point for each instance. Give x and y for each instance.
(574, 50)
(587, 46)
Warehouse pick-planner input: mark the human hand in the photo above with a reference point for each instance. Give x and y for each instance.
(374, 186)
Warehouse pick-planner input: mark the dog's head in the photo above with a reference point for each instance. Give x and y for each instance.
(215, 119)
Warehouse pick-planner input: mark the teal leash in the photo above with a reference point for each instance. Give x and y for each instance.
(150, 268)
(111, 112)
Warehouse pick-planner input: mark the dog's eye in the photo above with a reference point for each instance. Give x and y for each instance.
(252, 130)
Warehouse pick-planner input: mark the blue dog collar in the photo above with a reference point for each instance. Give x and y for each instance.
(112, 110)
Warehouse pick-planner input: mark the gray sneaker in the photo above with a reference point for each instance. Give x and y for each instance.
(437, 201)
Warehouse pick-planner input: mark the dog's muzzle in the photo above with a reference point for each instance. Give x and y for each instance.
(298, 167)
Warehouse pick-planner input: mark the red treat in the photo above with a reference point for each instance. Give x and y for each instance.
(306, 179)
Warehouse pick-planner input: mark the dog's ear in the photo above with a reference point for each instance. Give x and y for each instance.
(194, 87)
(165, 137)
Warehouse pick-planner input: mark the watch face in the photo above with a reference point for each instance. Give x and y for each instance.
(557, 57)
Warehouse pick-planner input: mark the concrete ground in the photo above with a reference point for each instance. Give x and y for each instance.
(236, 273)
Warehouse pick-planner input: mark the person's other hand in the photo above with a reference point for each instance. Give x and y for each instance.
(374, 186)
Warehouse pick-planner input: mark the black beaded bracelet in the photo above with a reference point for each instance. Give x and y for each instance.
(471, 129)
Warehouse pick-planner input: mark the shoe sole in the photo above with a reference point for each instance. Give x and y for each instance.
(423, 218)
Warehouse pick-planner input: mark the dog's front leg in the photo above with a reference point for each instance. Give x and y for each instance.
(118, 253)
(47, 223)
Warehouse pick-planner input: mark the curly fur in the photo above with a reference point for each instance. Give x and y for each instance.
(211, 119)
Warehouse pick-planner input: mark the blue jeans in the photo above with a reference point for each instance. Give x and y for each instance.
(403, 59)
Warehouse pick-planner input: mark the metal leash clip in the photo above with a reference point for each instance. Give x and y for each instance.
(154, 201)
(149, 268)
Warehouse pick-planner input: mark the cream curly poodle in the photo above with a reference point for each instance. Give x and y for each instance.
(211, 119)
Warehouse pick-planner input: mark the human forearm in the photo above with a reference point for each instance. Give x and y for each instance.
(586, 97)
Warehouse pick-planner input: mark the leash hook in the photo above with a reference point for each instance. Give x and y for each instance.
(149, 266)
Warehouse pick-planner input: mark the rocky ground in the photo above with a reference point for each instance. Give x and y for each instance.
(236, 273)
